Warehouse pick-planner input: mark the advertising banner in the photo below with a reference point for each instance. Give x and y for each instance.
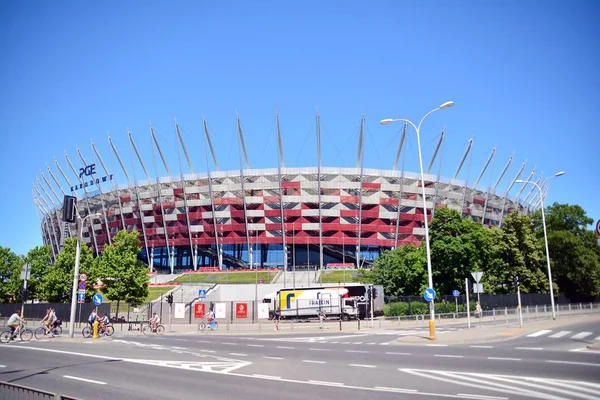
(263, 311)
(241, 310)
(179, 310)
(220, 311)
(199, 310)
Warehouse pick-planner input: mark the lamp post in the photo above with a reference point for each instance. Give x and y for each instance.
(426, 222)
(81, 221)
(546, 236)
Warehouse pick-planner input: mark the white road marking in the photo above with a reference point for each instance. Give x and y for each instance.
(84, 380)
(383, 344)
(363, 365)
(229, 343)
(356, 351)
(2, 366)
(371, 343)
(182, 340)
(327, 383)
(266, 376)
(447, 356)
(539, 333)
(286, 347)
(238, 354)
(255, 345)
(480, 396)
(560, 334)
(391, 389)
(357, 343)
(573, 363)
(481, 347)
(504, 359)
(581, 335)
(208, 351)
(437, 345)
(397, 354)
(315, 349)
(202, 341)
(598, 338)
(313, 362)
(529, 348)
(273, 358)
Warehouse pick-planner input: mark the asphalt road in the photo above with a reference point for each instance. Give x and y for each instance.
(330, 365)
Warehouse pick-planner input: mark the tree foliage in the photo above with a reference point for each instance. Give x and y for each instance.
(57, 283)
(10, 274)
(124, 277)
(40, 260)
(402, 271)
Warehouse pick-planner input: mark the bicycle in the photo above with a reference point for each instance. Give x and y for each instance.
(54, 331)
(147, 329)
(106, 330)
(25, 334)
(213, 325)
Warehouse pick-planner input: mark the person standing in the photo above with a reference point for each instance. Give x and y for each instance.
(276, 319)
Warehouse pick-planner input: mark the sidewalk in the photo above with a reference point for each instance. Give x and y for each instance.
(489, 333)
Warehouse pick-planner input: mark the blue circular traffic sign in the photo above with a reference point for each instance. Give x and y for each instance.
(97, 299)
(455, 293)
(429, 294)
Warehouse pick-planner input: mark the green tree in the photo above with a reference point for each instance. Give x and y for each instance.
(574, 253)
(125, 278)
(521, 254)
(458, 247)
(39, 259)
(10, 274)
(402, 272)
(57, 283)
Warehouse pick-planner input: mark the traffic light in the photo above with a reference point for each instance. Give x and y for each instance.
(69, 208)
(373, 292)
(517, 283)
(170, 298)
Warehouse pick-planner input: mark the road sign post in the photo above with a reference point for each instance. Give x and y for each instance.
(479, 288)
(468, 309)
(25, 272)
(456, 293)
(429, 296)
(97, 299)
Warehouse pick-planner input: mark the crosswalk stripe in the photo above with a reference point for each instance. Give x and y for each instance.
(539, 333)
(560, 334)
(581, 335)
(598, 338)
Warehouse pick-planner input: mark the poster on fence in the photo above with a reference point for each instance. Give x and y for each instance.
(241, 310)
(220, 311)
(199, 310)
(263, 311)
(179, 310)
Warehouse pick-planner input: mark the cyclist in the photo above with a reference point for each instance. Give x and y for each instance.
(53, 318)
(14, 322)
(154, 321)
(92, 318)
(46, 321)
(211, 318)
(103, 321)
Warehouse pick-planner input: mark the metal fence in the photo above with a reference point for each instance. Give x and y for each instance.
(19, 392)
(63, 310)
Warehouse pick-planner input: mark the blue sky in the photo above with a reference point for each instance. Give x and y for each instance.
(523, 74)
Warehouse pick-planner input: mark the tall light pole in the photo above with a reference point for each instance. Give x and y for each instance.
(546, 235)
(426, 222)
(80, 221)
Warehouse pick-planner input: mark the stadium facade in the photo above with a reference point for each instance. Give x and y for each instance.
(281, 217)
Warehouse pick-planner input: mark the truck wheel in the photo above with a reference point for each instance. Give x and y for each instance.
(345, 317)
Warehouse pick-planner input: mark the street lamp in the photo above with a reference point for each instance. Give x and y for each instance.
(80, 221)
(429, 273)
(561, 173)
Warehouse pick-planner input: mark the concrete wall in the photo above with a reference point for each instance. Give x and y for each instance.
(237, 292)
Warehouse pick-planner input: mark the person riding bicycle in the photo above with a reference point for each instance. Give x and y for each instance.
(14, 323)
(92, 318)
(154, 321)
(210, 317)
(46, 321)
(103, 321)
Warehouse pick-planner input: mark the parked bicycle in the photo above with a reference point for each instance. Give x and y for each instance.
(54, 331)
(147, 329)
(203, 324)
(106, 330)
(23, 333)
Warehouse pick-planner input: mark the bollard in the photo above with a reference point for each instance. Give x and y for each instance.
(591, 308)
(580, 309)
(506, 314)
(358, 319)
(431, 330)
(340, 323)
(494, 315)
(95, 335)
(536, 312)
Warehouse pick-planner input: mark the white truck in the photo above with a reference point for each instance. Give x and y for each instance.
(334, 301)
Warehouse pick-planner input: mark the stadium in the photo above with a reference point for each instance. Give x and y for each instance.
(311, 217)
